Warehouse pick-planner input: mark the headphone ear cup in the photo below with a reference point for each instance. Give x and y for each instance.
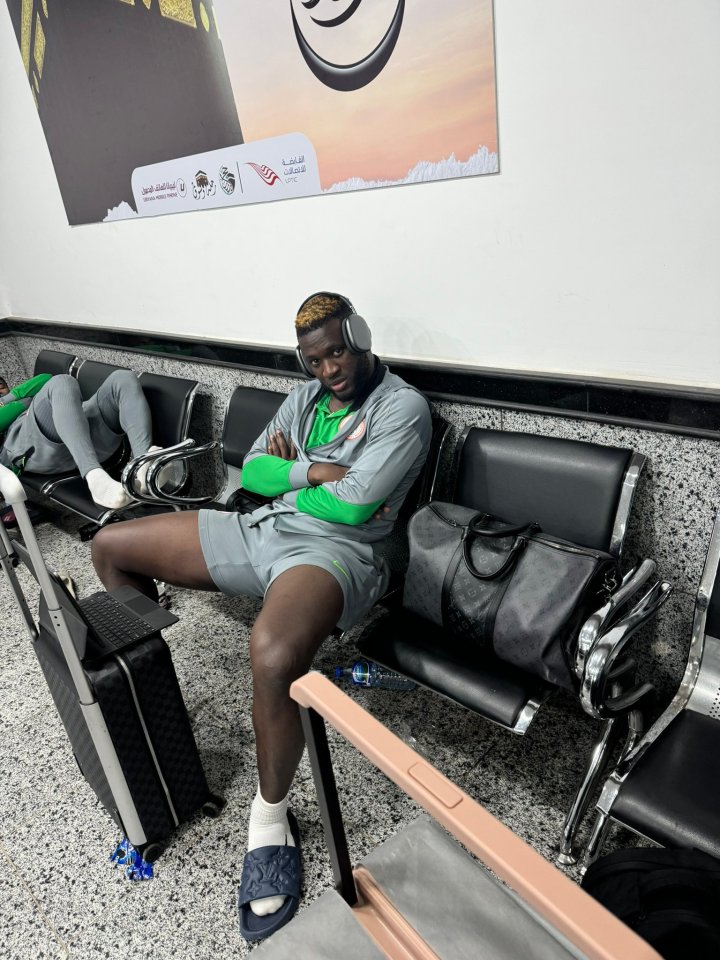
(304, 368)
(356, 334)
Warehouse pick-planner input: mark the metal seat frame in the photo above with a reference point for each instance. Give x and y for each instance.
(699, 690)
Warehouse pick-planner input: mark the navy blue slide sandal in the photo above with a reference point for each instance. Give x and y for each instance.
(270, 872)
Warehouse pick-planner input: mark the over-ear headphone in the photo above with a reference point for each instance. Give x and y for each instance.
(355, 331)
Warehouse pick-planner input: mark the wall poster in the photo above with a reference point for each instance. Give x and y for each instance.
(164, 106)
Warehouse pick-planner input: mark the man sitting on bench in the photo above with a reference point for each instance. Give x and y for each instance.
(49, 429)
(338, 457)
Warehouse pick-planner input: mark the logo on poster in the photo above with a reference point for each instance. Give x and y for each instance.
(293, 167)
(227, 180)
(351, 76)
(203, 186)
(181, 188)
(266, 174)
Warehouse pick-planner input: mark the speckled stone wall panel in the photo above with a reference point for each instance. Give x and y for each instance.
(12, 366)
(459, 416)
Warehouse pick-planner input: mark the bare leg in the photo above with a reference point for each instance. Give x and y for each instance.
(301, 608)
(138, 552)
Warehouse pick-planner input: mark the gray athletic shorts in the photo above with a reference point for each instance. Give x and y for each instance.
(244, 556)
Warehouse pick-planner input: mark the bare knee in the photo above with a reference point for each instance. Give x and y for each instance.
(278, 658)
(106, 550)
(115, 554)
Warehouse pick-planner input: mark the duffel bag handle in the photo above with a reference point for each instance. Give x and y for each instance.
(509, 530)
(521, 538)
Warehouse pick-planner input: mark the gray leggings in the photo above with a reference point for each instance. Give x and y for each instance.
(66, 431)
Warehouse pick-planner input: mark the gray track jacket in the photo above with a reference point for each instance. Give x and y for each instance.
(385, 443)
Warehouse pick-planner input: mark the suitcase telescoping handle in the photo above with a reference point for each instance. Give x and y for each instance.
(14, 494)
(591, 928)
(7, 562)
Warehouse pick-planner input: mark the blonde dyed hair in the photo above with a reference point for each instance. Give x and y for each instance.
(318, 310)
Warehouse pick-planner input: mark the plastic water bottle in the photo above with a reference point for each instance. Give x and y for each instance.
(365, 673)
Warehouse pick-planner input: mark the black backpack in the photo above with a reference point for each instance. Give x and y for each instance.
(669, 897)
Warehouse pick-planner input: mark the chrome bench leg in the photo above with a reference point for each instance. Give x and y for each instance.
(567, 855)
(597, 839)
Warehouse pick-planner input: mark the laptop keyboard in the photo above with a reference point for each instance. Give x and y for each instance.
(111, 621)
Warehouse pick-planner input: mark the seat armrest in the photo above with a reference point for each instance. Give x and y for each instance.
(603, 619)
(606, 650)
(179, 453)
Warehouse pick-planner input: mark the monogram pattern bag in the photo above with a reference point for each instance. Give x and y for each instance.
(507, 587)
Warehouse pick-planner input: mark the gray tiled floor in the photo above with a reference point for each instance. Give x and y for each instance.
(62, 896)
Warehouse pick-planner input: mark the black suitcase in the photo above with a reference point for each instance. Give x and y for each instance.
(124, 714)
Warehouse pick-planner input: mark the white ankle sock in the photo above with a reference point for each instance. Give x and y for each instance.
(268, 827)
(106, 491)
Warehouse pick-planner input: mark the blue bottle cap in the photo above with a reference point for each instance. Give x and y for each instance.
(361, 673)
(123, 852)
(127, 856)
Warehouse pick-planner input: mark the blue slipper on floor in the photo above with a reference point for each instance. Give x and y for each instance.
(270, 872)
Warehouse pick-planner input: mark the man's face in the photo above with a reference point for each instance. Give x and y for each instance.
(343, 373)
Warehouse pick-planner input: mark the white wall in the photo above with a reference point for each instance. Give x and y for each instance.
(595, 250)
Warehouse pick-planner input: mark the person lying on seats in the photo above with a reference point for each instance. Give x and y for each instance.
(48, 428)
(338, 457)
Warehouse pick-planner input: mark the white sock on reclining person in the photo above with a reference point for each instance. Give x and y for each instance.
(106, 491)
(268, 827)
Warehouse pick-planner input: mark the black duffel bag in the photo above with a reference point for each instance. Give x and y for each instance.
(670, 897)
(508, 587)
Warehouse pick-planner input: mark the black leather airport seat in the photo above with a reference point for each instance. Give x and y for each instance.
(171, 401)
(91, 373)
(248, 412)
(410, 645)
(54, 362)
(577, 491)
(394, 548)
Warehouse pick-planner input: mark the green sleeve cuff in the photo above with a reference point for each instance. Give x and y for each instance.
(30, 387)
(320, 503)
(266, 475)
